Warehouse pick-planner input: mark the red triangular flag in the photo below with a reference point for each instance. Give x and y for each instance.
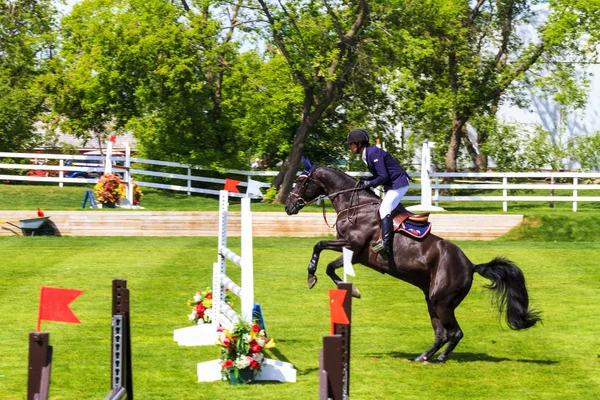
(231, 185)
(40, 212)
(54, 305)
(336, 307)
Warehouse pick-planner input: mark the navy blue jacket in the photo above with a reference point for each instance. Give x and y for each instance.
(385, 170)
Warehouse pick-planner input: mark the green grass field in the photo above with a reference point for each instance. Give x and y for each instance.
(556, 360)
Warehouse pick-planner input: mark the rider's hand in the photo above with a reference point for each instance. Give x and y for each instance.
(363, 184)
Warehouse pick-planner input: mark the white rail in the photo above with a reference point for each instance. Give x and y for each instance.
(429, 184)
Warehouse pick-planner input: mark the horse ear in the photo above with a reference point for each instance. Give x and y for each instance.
(307, 164)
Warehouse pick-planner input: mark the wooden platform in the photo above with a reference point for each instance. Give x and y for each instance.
(145, 223)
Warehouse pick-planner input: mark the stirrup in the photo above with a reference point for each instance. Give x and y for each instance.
(377, 246)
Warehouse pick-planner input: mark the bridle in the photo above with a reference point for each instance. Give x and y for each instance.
(306, 177)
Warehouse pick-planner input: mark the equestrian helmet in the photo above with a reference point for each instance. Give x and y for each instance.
(358, 136)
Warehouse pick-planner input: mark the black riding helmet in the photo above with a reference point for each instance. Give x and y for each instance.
(358, 136)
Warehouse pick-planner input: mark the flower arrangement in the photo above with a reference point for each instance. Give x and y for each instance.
(201, 306)
(241, 351)
(137, 194)
(109, 189)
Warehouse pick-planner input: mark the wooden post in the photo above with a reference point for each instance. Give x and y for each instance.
(552, 192)
(334, 358)
(40, 362)
(332, 365)
(344, 332)
(505, 194)
(61, 173)
(121, 365)
(575, 182)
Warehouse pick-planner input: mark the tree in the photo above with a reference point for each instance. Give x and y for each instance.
(151, 67)
(26, 43)
(319, 42)
(470, 58)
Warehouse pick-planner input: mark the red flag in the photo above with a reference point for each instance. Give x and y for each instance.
(40, 212)
(54, 305)
(336, 307)
(231, 185)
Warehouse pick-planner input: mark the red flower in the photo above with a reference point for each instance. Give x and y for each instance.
(200, 310)
(234, 338)
(219, 328)
(227, 364)
(209, 295)
(255, 328)
(226, 341)
(254, 364)
(255, 348)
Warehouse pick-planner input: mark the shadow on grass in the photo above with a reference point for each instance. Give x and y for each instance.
(462, 357)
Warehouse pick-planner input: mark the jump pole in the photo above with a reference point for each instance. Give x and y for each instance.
(222, 314)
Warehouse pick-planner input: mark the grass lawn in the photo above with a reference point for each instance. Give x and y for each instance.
(557, 360)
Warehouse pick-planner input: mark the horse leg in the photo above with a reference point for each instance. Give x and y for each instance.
(336, 245)
(455, 334)
(441, 337)
(332, 266)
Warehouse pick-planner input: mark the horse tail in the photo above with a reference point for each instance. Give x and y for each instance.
(508, 283)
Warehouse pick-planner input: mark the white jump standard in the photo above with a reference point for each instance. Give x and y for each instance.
(221, 313)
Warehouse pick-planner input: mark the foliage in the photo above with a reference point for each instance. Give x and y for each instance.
(461, 60)
(26, 43)
(242, 348)
(544, 149)
(143, 66)
(109, 189)
(586, 150)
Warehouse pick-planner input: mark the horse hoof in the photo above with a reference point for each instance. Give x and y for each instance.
(355, 293)
(312, 281)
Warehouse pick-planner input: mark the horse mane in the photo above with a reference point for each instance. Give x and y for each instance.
(350, 182)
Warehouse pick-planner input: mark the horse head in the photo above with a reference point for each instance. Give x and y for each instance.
(305, 191)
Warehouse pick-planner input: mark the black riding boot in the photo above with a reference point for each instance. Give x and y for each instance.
(384, 248)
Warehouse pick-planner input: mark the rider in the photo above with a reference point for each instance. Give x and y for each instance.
(387, 172)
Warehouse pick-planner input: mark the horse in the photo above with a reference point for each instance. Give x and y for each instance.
(436, 266)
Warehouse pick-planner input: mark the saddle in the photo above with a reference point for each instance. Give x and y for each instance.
(414, 225)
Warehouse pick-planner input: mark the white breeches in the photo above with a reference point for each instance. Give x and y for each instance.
(391, 200)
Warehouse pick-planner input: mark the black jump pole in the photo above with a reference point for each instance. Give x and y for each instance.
(40, 363)
(121, 363)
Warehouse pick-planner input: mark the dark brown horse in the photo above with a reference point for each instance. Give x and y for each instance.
(436, 266)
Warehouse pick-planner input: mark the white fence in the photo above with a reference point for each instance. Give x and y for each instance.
(123, 164)
(429, 185)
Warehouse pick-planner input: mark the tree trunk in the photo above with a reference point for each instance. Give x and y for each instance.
(454, 146)
(293, 162)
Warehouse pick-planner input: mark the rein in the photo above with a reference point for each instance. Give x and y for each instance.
(303, 203)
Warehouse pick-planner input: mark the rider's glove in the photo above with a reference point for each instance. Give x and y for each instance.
(363, 184)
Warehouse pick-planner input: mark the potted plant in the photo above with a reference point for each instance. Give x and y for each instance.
(241, 352)
(137, 194)
(109, 190)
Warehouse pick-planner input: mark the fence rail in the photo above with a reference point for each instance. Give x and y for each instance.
(431, 184)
